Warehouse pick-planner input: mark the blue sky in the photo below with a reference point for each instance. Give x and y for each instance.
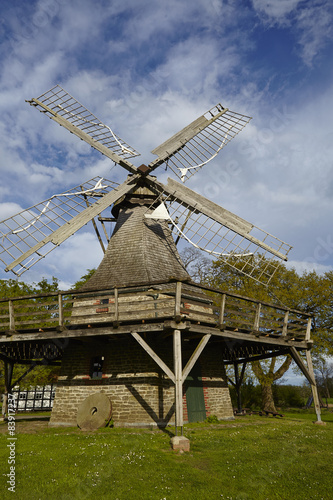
(149, 68)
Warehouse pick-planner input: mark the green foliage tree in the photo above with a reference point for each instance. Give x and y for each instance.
(42, 374)
(84, 279)
(324, 376)
(308, 292)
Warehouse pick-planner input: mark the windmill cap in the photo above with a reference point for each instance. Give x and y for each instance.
(142, 195)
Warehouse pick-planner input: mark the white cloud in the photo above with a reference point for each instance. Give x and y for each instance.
(275, 11)
(311, 22)
(9, 209)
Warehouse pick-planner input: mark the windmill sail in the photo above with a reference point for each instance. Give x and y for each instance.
(198, 143)
(57, 104)
(31, 234)
(221, 233)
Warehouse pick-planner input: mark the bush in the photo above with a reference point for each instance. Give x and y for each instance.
(250, 394)
(288, 396)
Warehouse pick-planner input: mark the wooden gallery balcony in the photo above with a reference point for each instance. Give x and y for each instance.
(247, 327)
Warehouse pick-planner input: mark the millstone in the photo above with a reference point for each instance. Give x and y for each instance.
(94, 412)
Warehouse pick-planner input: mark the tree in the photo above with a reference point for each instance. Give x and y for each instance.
(266, 377)
(324, 376)
(42, 374)
(309, 292)
(84, 279)
(196, 264)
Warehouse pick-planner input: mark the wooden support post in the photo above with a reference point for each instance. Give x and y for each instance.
(309, 373)
(177, 357)
(237, 386)
(313, 386)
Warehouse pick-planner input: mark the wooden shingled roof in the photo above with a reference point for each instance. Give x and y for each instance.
(140, 250)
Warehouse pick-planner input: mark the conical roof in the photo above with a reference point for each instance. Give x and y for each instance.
(140, 250)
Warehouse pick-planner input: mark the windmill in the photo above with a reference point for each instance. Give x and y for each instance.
(146, 210)
(31, 234)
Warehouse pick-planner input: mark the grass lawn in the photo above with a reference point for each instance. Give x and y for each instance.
(252, 457)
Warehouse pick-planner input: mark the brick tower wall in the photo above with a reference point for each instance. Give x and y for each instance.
(140, 393)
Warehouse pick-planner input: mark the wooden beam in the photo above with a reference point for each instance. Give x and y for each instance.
(215, 212)
(154, 356)
(31, 367)
(171, 145)
(69, 228)
(198, 350)
(83, 332)
(300, 363)
(313, 386)
(258, 357)
(85, 137)
(248, 337)
(94, 224)
(177, 359)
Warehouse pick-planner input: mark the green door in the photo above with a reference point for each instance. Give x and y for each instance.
(195, 401)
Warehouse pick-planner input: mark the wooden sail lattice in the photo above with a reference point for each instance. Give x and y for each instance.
(26, 230)
(57, 101)
(197, 144)
(207, 226)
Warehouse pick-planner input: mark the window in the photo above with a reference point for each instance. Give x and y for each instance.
(96, 367)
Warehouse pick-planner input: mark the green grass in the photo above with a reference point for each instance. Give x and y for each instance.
(251, 458)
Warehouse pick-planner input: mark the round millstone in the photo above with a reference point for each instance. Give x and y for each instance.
(94, 412)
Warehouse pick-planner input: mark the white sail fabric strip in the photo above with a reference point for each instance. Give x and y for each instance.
(126, 150)
(97, 186)
(184, 170)
(161, 213)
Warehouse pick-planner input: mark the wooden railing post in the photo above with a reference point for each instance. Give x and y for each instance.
(308, 330)
(60, 310)
(116, 308)
(11, 315)
(285, 324)
(178, 300)
(257, 318)
(222, 309)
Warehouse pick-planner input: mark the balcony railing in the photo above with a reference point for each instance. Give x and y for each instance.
(151, 303)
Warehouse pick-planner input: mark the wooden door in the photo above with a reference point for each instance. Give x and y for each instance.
(195, 401)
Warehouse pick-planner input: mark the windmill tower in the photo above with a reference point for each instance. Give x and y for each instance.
(140, 337)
